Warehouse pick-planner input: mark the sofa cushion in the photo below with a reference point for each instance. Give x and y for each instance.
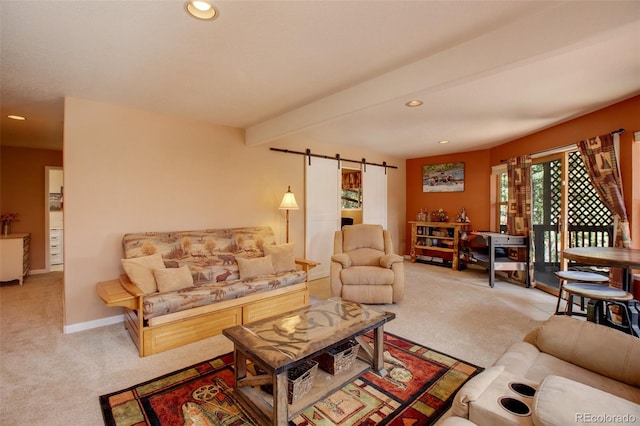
(158, 304)
(365, 257)
(597, 348)
(368, 294)
(256, 267)
(140, 271)
(363, 236)
(171, 279)
(282, 257)
(209, 253)
(525, 360)
(560, 401)
(367, 275)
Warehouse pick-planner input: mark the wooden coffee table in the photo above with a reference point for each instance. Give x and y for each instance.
(281, 343)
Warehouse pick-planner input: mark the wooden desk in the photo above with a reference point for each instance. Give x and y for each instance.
(492, 262)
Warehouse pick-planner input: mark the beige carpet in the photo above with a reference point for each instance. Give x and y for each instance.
(47, 377)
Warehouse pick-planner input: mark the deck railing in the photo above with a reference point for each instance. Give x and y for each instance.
(547, 242)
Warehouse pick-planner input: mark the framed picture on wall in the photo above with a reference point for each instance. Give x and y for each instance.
(445, 177)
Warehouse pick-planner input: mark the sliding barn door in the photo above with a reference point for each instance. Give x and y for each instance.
(322, 213)
(374, 196)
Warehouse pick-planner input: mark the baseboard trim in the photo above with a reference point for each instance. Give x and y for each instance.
(88, 325)
(37, 271)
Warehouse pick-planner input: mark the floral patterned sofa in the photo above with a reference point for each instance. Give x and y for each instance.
(180, 287)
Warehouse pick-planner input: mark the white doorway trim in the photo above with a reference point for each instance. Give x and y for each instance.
(47, 224)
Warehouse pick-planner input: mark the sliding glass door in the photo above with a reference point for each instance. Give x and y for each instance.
(567, 212)
(548, 209)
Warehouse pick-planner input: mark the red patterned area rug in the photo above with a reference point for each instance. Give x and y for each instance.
(419, 388)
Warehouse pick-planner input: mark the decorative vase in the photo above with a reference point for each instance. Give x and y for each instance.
(6, 228)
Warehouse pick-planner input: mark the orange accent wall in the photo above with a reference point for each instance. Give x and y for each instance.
(22, 191)
(479, 191)
(623, 115)
(474, 198)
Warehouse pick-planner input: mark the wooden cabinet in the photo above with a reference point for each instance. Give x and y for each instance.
(14, 257)
(55, 246)
(437, 242)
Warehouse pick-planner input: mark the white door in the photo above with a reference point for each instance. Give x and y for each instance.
(322, 213)
(374, 196)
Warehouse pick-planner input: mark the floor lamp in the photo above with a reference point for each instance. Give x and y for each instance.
(288, 203)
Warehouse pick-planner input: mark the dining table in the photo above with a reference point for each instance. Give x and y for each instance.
(617, 257)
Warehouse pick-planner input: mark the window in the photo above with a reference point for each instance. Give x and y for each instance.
(501, 205)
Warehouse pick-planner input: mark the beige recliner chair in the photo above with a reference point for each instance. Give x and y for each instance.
(364, 268)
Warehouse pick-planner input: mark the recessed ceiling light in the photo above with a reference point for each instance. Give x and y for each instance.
(201, 9)
(413, 103)
(16, 117)
(443, 142)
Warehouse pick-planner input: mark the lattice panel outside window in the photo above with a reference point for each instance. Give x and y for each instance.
(585, 207)
(555, 207)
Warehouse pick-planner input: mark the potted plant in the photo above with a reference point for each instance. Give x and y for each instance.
(7, 218)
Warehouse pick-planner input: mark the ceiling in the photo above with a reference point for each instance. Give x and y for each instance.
(336, 72)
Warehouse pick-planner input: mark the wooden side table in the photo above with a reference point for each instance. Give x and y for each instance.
(113, 294)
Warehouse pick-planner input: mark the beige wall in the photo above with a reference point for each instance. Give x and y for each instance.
(128, 170)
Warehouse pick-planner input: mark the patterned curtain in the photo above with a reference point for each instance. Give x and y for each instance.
(600, 160)
(519, 208)
(519, 195)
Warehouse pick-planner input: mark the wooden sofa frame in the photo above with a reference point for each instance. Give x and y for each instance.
(181, 328)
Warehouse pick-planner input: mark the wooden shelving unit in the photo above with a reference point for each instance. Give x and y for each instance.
(434, 237)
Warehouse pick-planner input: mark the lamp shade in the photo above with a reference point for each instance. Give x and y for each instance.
(289, 201)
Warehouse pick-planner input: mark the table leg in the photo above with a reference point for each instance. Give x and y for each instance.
(378, 351)
(634, 305)
(280, 399)
(240, 363)
(634, 317)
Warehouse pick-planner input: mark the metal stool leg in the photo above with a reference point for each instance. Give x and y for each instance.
(596, 311)
(569, 308)
(561, 286)
(629, 317)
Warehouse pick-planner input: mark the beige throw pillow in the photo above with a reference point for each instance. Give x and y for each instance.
(255, 267)
(282, 257)
(172, 279)
(140, 271)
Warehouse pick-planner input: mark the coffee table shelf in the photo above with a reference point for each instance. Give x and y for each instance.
(324, 384)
